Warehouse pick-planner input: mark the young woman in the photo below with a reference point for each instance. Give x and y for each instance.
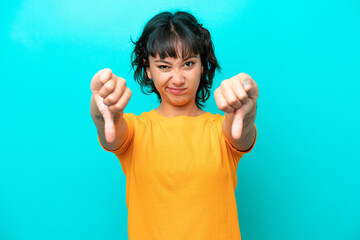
(180, 162)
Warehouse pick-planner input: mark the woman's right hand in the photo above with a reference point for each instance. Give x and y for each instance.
(111, 96)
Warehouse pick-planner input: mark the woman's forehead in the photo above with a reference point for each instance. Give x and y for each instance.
(180, 57)
(175, 49)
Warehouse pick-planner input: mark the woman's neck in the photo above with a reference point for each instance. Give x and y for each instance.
(174, 111)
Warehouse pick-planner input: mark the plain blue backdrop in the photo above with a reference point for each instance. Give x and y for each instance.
(301, 181)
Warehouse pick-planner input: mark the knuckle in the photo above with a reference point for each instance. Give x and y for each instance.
(233, 101)
(228, 109)
(108, 86)
(244, 99)
(104, 75)
(224, 83)
(111, 98)
(102, 93)
(121, 83)
(106, 102)
(244, 75)
(121, 79)
(107, 70)
(115, 108)
(222, 106)
(119, 106)
(216, 93)
(242, 95)
(112, 108)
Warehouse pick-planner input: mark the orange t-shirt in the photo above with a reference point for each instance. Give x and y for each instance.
(180, 178)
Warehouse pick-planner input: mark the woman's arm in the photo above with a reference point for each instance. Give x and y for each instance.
(110, 97)
(247, 138)
(237, 97)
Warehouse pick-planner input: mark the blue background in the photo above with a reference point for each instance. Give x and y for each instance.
(301, 181)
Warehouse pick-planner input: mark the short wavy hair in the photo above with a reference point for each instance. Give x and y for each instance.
(161, 35)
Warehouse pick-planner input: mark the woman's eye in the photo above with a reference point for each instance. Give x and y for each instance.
(163, 67)
(188, 64)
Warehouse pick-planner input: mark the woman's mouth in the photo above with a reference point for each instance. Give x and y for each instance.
(176, 91)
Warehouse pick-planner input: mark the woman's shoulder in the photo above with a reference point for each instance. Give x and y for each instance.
(214, 116)
(133, 116)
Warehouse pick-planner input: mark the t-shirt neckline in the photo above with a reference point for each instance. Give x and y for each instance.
(159, 116)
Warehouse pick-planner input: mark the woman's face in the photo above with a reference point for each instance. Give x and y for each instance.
(176, 79)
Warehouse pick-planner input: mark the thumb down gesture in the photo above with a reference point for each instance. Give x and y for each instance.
(237, 97)
(111, 96)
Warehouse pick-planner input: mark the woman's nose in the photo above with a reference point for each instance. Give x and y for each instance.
(177, 77)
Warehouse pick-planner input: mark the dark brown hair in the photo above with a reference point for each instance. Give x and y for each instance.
(161, 35)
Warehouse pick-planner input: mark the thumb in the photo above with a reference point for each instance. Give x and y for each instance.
(109, 127)
(237, 125)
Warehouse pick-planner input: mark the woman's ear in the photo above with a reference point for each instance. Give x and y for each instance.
(147, 69)
(148, 72)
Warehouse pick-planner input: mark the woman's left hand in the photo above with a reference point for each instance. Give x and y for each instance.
(237, 97)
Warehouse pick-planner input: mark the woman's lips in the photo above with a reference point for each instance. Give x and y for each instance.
(176, 91)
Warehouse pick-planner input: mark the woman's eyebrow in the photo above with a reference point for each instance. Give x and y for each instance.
(192, 56)
(163, 61)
